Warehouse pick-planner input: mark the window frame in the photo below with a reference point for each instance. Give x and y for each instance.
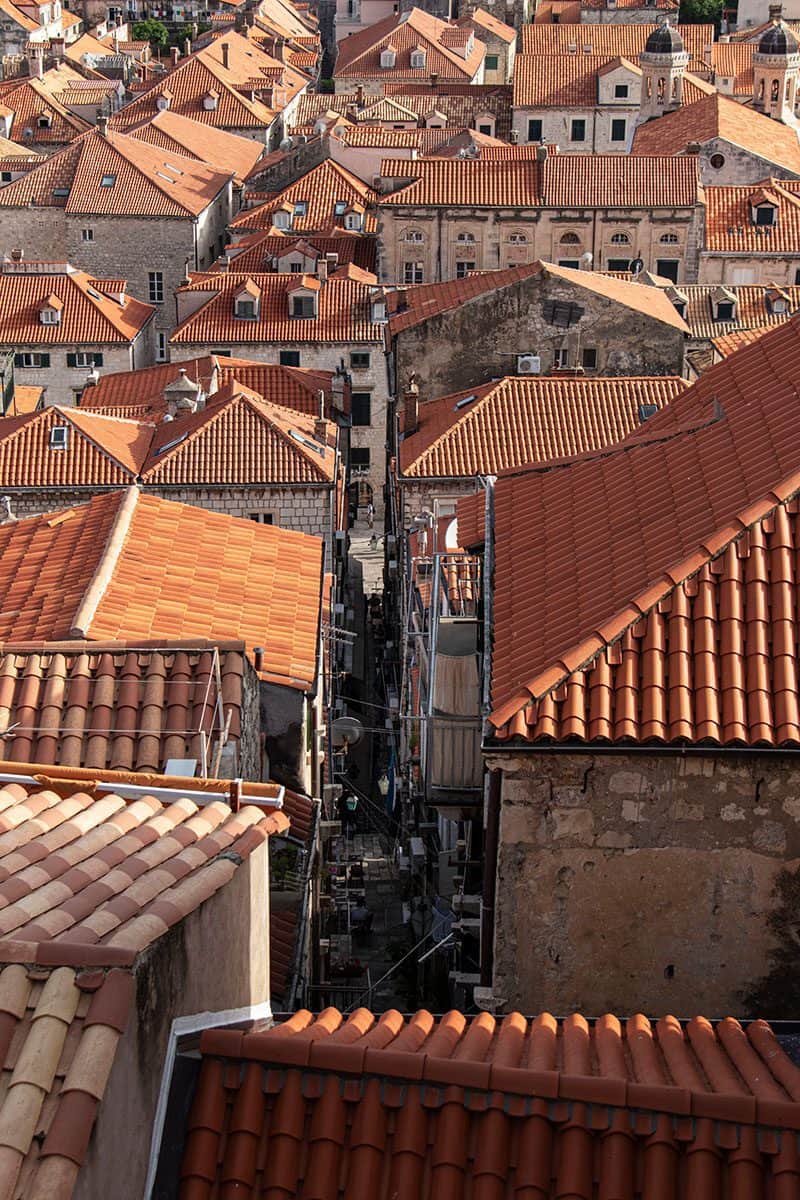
(575, 123)
(364, 355)
(155, 286)
(537, 122)
(616, 123)
(285, 354)
(361, 406)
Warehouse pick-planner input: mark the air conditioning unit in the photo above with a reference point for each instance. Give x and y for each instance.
(529, 364)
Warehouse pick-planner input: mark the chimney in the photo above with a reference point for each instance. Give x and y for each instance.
(322, 270)
(434, 79)
(513, 136)
(360, 96)
(321, 430)
(692, 147)
(226, 54)
(258, 658)
(411, 406)
(102, 126)
(332, 259)
(57, 49)
(36, 66)
(541, 154)
(775, 12)
(186, 276)
(16, 254)
(174, 55)
(224, 263)
(402, 300)
(187, 47)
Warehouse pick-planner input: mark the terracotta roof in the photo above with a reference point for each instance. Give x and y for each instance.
(359, 55)
(729, 343)
(427, 300)
(613, 38)
(319, 190)
(568, 11)
(712, 465)
(239, 438)
(720, 116)
(460, 104)
(128, 566)
(521, 420)
(60, 1030)
(483, 1108)
(18, 16)
(729, 222)
(222, 151)
(283, 927)
(87, 43)
(561, 80)
(562, 181)
(344, 311)
(31, 99)
(102, 451)
(753, 308)
(255, 252)
(250, 72)
(752, 33)
(479, 19)
(27, 398)
(87, 315)
(117, 706)
(734, 61)
(146, 182)
(141, 393)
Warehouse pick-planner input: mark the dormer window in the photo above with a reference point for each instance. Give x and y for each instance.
(418, 58)
(354, 220)
(388, 57)
(764, 214)
(44, 121)
(304, 298)
(723, 304)
(378, 308)
(282, 217)
(163, 101)
(211, 100)
(303, 305)
(50, 310)
(247, 301)
(777, 301)
(59, 437)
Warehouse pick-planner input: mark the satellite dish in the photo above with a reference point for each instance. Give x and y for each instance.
(347, 731)
(588, 258)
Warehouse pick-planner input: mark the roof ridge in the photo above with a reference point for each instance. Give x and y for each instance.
(104, 450)
(296, 447)
(109, 558)
(592, 644)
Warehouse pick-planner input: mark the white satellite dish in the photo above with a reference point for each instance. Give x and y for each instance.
(347, 731)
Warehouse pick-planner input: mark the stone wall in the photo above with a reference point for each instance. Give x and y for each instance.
(482, 338)
(750, 268)
(649, 882)
(291, 166)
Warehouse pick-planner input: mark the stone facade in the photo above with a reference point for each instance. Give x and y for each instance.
(652, 882)
(729, 267)
(738, 165)
(482, 338)
(64, 383)
(124, 247)
(599, 134)
(491, 239)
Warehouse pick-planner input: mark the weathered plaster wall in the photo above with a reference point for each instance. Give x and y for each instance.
(654, 883)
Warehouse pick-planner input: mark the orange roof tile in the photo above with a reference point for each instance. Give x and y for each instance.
(392, 1106)
(521, 420)
(319, 190)
(359, 55)
(250, 74)
(222, 151)
(719, 116)
(256, 252)
(479, 19)
(118, 706)
(460, 104)
(127, 566)
(612, 38)
(344, 311)
(146, 182)
(561, 181)
(61, 1028)
(712, 465)
(754, 308)
(561, 80)
(734, 61)
(86, 315)
(102, 451)
(26, 399)
(729, 221)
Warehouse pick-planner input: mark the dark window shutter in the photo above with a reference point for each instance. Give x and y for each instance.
(45, 360)
(19, 360)
(98, 360)
(72, 360)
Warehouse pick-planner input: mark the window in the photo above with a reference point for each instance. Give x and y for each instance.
(161, 347)
(87, 235)
(339, 208)
(619, 264)
(589, 359)
(412, 272)
(725, 311)
(561, 357)
(354, 220)
(44, 121)
(360, 359)
(261, 517)
(108, 181)
(486, 129)
(282, 219)
(359, 458)
(578, 131)
(155, 284)
(31, 360)
(620, 91)
(413, 235)
(491, 62)
(619, 129)
(303, 306)
(300, 208)
(289, 358)
(59, 437)
(534, 130)
(620, 239)
(765, 214)
(388, 58)
(50, 316)
(668, 267)
(245, 310)
(518, 239)
(418, 60)
(717, 161)
(361, 408)
(84, 359)
(5, 177)
(463, 269)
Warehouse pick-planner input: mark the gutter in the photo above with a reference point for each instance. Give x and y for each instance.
(604, 751)
(489, 892)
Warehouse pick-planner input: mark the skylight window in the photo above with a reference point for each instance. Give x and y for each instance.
(171, 445)
(339, 208)
(300, 208)
(108, 181)
(304, 441)
(59, 437)
(61, 191)
(463, 403)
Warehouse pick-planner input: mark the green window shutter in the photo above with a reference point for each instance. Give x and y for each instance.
(72, 360)
(19, 360)
(98, 360)
(45, 360)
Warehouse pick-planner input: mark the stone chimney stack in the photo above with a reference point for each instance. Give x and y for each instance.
(174, 54)
(226, 55)
(322, 270)
(410, 419)
(102, 126)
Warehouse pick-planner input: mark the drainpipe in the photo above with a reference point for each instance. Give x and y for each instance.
(490, 844)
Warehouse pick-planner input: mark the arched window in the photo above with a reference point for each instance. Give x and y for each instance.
(775, 91)
(668, 239)
(620, 239)
(570, 239)
(466, 237)
(413, 235)
(518, 239)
